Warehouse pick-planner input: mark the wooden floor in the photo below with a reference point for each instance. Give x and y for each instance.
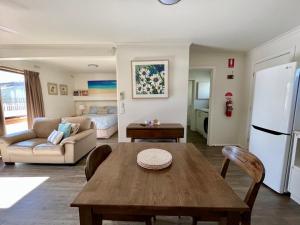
(49, 202)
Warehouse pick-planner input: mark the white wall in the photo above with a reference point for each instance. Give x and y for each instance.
(200, 75)
(172, 109)
(197, 75)
(55, 105)
(224, 130)
(81, 83)
(283, 49)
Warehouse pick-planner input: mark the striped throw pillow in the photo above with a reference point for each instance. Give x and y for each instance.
(55, 137)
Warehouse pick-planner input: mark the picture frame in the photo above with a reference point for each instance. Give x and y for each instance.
(102, 87)
(76, 93)
(63, 89)
(150, 79)
(52, 88)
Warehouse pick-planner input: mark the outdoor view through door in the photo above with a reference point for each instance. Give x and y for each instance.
(13, 95)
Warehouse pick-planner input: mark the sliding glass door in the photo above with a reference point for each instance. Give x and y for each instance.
(13, 96)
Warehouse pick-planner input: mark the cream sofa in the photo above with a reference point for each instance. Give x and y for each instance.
(32, 147)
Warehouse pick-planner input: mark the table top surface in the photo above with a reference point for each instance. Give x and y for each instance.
(190, 183)
(161, 126)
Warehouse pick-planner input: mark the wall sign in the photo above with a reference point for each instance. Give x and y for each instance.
(231, 63)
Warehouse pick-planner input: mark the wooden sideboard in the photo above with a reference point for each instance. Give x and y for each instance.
(163, 131)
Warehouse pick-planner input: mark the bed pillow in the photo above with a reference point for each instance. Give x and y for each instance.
(112, 110)
(55, 137)
(93, 110)
(102, 110)
(74, 128)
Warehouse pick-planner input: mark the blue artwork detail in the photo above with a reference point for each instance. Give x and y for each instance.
(102, 86)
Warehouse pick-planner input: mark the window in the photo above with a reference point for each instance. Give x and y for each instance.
(13, 95)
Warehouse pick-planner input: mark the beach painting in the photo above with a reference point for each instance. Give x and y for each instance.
(100, 87)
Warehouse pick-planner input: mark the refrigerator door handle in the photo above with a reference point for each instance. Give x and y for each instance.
(268, 131)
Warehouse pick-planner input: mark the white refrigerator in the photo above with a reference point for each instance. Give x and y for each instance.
(273, 118)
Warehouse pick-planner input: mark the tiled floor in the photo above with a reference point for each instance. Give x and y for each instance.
(49, 202)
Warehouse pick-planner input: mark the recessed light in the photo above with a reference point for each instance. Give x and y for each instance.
(93, 65)
(169, 2)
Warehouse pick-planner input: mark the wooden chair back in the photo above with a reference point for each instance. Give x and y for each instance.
(248, 163)
(95, 158)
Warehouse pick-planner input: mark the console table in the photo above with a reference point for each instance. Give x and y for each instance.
(163, 131)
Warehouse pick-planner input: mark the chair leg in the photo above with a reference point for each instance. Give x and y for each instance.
(195, 221)
(98, 219)
(148, 221)
(246, 219)
(223, 221)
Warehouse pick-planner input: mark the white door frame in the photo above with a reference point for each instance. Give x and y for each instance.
(192, 114)
(211, 100)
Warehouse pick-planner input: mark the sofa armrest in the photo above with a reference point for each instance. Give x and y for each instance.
(10, 139)
(17, 137)
(77, 137)
(77, 147)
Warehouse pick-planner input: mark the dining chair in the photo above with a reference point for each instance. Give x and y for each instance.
(93, 161)
(95, 158)
(250, 164)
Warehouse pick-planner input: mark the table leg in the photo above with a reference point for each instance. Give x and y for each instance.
(87, 217)
(177, 140)
(233, 218)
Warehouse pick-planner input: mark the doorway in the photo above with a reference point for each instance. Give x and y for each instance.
(13, 97)
(199, 104)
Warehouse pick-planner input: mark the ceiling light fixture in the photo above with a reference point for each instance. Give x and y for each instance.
(169, 2)
(93, 65)
(8, 30)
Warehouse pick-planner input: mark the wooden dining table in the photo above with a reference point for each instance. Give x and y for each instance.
(191, 186)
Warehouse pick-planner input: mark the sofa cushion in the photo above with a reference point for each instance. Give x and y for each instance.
(55, 137)
(85, 122)
(48, 149)
(44, 126)
(65, 128)
(74, 128)
(25, 147)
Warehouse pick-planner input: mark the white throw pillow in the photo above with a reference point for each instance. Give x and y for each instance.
(55, 137)
(74, 128)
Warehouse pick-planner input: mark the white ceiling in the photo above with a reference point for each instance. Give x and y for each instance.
(80, 65)
(230, 24)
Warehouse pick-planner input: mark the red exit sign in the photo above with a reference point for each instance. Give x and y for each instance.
(231, 63)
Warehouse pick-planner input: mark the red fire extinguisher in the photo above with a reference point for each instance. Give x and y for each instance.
(228, 104)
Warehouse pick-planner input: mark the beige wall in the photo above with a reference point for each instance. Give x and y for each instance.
(55, 105)
(174, 108)
(224, 130)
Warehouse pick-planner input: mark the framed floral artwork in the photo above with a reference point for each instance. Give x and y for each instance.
(63, 89)
(52, 88)
(150, 79)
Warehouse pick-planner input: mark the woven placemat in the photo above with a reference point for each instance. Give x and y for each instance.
(154, 159)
